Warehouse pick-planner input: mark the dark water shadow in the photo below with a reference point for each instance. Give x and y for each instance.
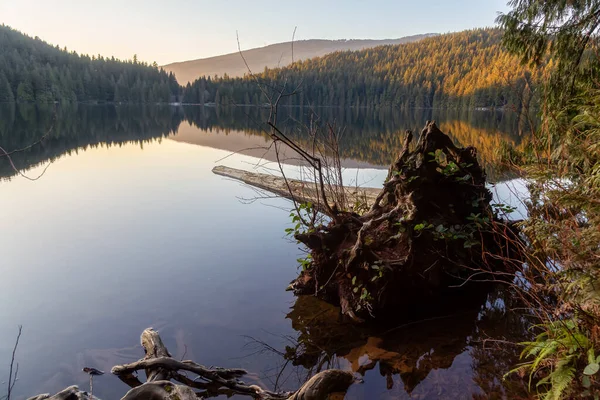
(461, 350)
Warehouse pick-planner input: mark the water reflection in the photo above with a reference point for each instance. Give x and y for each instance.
(454, 352)
(70, 128)
(370, 137)
(136, 231)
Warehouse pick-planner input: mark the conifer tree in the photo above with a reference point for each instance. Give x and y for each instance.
(6, 94)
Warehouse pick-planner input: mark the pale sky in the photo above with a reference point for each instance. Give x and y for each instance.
(177, 30)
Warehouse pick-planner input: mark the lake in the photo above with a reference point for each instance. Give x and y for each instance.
(128, 228)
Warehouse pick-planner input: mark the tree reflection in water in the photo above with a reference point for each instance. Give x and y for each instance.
(372, 136)
(459, 350)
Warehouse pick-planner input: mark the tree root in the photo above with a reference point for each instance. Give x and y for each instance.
(430, 228)
(161, 370)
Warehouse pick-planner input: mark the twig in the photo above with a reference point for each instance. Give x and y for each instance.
(11, 381)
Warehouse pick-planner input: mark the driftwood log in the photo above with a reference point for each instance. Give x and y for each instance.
(170, 379)
(295, 189)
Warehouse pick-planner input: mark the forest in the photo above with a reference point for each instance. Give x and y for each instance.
(31, 70)
(468, 69)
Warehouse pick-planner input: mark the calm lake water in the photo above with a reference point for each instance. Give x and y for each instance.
(129, 228)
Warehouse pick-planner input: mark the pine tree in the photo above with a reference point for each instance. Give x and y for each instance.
(6, 94)
(25, 92)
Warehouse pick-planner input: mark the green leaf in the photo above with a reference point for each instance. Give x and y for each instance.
(419, 227)
(586, 381)
(355, 290)
(591, 369)
(354, 280)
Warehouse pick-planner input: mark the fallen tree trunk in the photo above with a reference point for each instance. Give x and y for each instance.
(161, 370)
(430, 228)
(294, 189)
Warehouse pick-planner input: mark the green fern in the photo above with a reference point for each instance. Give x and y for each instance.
(554, 353)
(561, 378)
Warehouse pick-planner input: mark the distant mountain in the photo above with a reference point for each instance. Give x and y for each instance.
(276, 55)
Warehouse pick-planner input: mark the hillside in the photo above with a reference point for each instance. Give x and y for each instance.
(463, 69)
(276, 55)
(32, 70)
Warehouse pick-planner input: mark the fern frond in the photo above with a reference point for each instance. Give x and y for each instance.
(560, 379)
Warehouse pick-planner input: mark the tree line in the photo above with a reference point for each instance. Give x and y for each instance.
(457, 70)
(468, 69)
(32, 70)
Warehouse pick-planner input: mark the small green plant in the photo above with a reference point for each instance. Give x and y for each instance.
(449, 168)
(304, 212)
(478, 220)
(438, 157)
(554, 356)
(356, 284)
(422, 226)
(365, 296)
(500, 208)
(303, 218)
(378, 272)
(465, 232)
(305, 262)
(464, 178)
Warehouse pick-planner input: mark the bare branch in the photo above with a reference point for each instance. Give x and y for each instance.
(13, 379)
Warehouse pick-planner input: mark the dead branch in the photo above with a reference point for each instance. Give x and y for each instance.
(12, 379)
(166, 382)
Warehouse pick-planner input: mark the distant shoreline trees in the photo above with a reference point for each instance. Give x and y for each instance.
(468, 69)
(31, 70)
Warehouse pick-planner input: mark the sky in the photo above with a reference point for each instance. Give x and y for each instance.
(166, 31)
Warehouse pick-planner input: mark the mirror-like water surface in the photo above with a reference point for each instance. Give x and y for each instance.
(129, 228)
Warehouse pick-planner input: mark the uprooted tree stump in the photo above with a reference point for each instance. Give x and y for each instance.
(431, 228)
(168, 379)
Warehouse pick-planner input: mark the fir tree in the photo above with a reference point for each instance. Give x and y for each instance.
(6, 94)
